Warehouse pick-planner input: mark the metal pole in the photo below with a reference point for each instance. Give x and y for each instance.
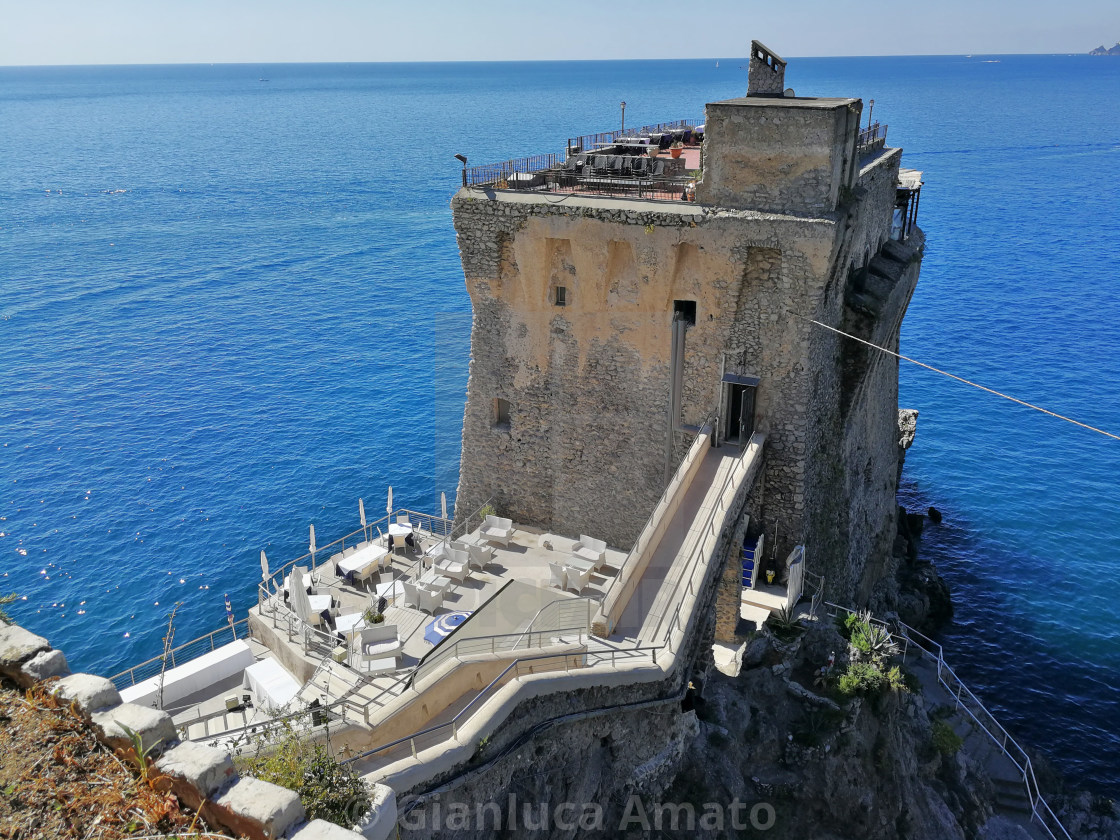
(623, 117)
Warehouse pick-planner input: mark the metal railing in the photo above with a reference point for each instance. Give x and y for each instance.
(556, 179)
(868, 137)
(587, 142)
(431, 736)
(964, 700)
(424, 738)
(182, 653)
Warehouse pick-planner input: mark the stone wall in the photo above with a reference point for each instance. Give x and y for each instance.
(589, 445)
(791, 155)
(201, 777)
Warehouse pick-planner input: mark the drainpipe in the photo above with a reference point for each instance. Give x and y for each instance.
(676, 385)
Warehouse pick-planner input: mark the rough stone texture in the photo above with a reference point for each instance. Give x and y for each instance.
(154, 727)
(17, 646)
(323, 830)
(257, 809)
(196, 771)
(380, 822)
(907, 429)
(90, 693)
(766, 73)
(589, 444)
(48, 663)
(795, 156)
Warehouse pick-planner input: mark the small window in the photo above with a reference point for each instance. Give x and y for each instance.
(560, 297)
(685, 310)
(501, 413)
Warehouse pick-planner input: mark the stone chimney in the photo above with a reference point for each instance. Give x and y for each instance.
(766, 75)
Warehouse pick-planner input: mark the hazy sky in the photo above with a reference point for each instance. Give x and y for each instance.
(160, 31)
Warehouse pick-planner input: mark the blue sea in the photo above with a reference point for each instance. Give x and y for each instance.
(231, 305)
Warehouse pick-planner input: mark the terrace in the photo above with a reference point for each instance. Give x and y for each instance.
(514, 622)
(640, 163)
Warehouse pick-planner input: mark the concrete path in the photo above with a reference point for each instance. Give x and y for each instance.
(709, 477)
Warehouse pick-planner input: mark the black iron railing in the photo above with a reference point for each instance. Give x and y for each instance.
(868, 139)
(589, 142)
(662, 178)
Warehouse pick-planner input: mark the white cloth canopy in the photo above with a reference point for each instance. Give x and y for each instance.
(264, 566)
(389, 507)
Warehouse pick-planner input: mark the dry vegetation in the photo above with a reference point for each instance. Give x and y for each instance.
(56, 780)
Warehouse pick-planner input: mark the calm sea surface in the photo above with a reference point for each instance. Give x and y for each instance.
(231, 305)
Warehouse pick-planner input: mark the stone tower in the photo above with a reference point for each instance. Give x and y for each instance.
(612, 317)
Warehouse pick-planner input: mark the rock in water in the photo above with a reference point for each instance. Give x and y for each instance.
(934, 515)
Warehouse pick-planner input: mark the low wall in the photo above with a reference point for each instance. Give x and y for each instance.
(646, 675)
(203, 778)
(638, 558)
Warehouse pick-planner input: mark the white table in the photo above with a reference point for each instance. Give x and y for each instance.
(271, 685)
(349, 624)
(578, 563)
(361, 563)
(434, 581)
(390, 590)
(398, 532)
(379, 666)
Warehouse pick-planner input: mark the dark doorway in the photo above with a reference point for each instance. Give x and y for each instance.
(740, 412)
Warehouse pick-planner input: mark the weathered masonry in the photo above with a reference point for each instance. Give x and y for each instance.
(620, 303)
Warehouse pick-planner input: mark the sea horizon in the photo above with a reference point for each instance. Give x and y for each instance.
(233, 309)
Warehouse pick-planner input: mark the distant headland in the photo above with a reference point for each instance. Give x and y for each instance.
(1110, 51)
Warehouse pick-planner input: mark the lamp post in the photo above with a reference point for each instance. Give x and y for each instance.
(870, 111)
(463, 160)
(623, 117)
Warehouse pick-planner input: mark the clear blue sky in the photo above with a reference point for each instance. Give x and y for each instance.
(160, 31)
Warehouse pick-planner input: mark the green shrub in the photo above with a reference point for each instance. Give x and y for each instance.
(846, 623)
(861, 679)
(784, 625)
(944, 739)
(873, 640)
(816, 725)
(329, 790)
(4, 601)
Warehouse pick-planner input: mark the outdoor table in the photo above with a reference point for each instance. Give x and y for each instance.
(398, 532)
(349, 624)
(271, 685)
(580, 564)
(360, 564)
(434, 580)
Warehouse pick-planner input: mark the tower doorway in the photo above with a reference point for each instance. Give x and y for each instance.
(740, 396)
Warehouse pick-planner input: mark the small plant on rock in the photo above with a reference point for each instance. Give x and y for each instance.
(784, 624)
(873, 641)
(944, 739)
(4, 601)
(861, 679)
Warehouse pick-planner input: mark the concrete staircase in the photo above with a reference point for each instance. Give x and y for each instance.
(1011, 800)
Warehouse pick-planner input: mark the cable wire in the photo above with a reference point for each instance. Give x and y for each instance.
(959, 378)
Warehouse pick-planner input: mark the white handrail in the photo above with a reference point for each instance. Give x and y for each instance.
(956, 687)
